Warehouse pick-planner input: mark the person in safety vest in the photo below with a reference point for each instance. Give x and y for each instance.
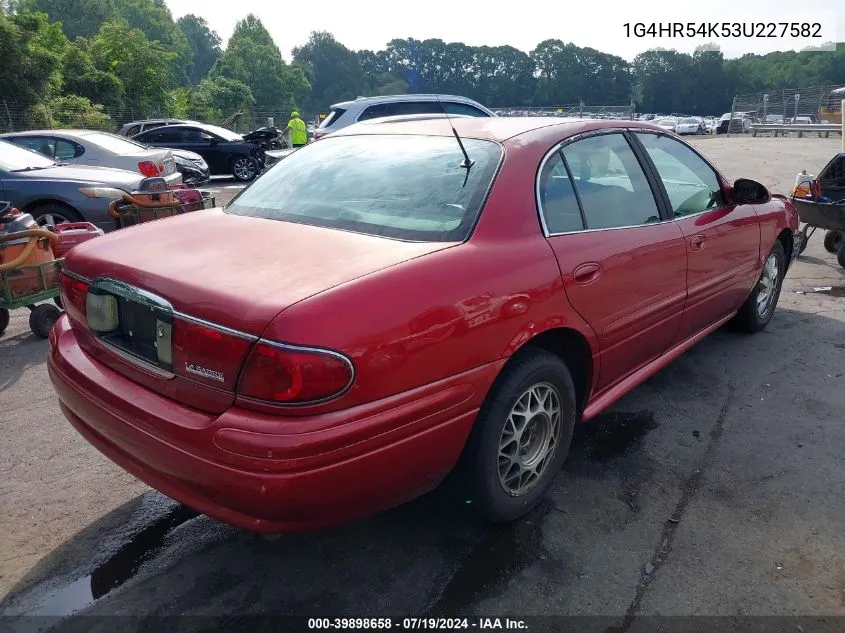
(298, 130)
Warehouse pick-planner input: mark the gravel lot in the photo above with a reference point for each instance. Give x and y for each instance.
(713, 489)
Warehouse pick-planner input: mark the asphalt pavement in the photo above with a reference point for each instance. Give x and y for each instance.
(713, 489)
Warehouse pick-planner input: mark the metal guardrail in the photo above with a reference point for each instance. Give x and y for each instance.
(783, 128)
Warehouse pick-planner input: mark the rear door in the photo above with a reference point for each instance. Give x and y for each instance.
(722, 241)
(623, 262)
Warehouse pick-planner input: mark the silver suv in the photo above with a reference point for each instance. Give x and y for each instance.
(366, 108)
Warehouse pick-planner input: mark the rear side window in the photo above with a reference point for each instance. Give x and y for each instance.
(558, 203)
(334, 115)
(400, 108)
(132, 131)
(400, 187)
(65, 150)
(612, 186)
(462, 108)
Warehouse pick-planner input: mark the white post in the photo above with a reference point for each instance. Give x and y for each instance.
(842, 122)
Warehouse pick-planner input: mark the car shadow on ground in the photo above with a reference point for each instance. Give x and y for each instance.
(630, 472)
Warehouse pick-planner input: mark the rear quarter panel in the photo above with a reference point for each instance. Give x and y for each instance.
(447, 312)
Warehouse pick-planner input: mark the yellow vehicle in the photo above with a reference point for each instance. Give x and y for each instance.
(831, 110)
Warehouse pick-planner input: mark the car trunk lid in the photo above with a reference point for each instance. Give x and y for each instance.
(189, 295)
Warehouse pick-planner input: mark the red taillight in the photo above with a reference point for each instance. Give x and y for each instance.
(74, 296)
(277, 373)
(148, 168)
(318, 135)
(207, 355)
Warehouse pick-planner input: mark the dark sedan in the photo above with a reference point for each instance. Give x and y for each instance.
(54, 193)
(225, 151)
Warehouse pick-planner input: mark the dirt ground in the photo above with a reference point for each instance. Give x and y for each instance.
(715, 488)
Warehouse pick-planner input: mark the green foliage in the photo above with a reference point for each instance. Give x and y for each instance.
(73, 111)
(82, 78)
(205, 46)
(30, 47)
(253, 59)
(143, 67)
(333, 70)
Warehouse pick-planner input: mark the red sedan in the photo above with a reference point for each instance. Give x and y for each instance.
(390, 303)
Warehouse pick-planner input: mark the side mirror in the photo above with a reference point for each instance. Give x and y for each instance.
(747, 191)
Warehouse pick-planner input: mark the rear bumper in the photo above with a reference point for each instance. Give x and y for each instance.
(358, 461)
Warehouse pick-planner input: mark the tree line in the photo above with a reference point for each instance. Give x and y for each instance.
(79, 60)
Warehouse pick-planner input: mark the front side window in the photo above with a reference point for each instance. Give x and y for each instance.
(612, 186)
(396, 186)
(691, 184)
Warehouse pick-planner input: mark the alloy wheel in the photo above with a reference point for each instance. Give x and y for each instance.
(529, 439)
(767, 288)
(244, 169)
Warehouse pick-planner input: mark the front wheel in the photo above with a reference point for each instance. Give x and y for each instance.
(244, 168)
(521, 436)
(758, 309)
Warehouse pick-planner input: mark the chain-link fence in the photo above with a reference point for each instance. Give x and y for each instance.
(73, 113)
(802, 105)
(579, 110)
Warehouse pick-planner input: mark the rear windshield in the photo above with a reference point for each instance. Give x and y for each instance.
(400, 187)
(113, 143)
(334, 115)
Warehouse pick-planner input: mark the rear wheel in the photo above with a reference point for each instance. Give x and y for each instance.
(757, 310)
(42, 319)
(4, 320)
(832, 241)
(521, 436)
(49, 214)
(244, 168)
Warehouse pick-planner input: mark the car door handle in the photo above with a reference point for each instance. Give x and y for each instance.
(696, 243)
(586, 274)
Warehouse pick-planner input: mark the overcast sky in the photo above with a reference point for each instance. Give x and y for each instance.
(597, 24)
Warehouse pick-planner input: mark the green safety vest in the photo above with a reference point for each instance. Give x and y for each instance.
(298, 131)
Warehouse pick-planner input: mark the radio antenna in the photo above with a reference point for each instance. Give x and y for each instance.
(467, 163)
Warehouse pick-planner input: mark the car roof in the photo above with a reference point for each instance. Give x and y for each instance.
(365, 101)
(59, 132)
(497, 129)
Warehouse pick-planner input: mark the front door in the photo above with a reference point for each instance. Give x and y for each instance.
(622, 261)
(722, 241)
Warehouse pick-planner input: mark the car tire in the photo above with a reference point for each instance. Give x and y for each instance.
(244, 168)
(833, 241)
(760, 305)
(533, 381)
(4, 320)
(42, 319)
(51, 213)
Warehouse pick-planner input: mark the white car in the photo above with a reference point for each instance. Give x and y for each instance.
(666, 124)
(690, 125)
(90, 147)
(366, 108)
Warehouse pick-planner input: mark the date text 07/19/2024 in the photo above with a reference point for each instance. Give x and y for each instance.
(812, 30)
(417, 624)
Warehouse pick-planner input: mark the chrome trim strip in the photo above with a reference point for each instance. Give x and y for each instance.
(149, 368)
(305, 348)
(214, 326)
(73, 275)
(139, 363)
(558, 147)
(132, 293)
